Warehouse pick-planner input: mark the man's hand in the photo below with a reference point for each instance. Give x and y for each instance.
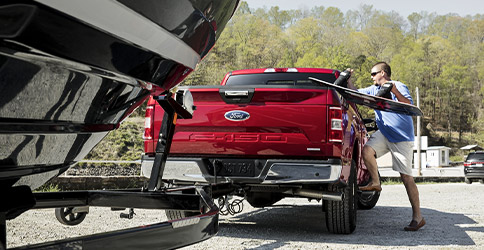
(385, 90)
(350, 81)
(343, 78)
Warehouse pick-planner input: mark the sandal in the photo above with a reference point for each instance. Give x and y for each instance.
(414, 226)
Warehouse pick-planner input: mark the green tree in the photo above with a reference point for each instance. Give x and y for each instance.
(358, 19)
(415, 19)
(385, 36)
(457, 86)
(425, 50)
(279, 18)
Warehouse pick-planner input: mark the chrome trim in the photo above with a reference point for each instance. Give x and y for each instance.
(302, 172)
(237, 93)
(313, 149)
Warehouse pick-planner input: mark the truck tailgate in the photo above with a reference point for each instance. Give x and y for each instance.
(257, 121)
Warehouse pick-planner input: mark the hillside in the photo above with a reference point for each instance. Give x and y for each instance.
(122, 144)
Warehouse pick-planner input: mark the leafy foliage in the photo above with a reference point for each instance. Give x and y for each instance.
(48, 187)
(124, 143)
(442, 55)
(439, 54)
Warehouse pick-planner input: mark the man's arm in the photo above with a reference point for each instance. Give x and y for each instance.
(350, 83)
(398, 95)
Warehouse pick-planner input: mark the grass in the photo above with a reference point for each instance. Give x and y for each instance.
(419, 183)
(391, 182)
(122, 144)
(48, 187)
(394, 182)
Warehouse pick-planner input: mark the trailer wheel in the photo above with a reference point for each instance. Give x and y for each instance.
(179, 214)
(467, 180)
(341, 215)
(67, 216)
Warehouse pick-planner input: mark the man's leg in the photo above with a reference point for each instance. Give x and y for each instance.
(370, 162)
(413, 196)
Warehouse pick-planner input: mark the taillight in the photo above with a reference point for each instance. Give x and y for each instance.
(336, 124)
(467, 164)
(148, 134)
(272, 70)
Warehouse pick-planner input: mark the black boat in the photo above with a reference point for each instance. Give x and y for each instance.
(71, 71)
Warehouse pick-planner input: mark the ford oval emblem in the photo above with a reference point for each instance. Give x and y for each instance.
(237, 115)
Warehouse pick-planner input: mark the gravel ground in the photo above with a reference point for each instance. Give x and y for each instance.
(454, 213)
(107, 170)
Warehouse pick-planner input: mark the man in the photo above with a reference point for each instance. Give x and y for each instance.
(395, 134)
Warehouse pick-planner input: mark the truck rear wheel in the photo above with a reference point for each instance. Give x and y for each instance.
(341, 215)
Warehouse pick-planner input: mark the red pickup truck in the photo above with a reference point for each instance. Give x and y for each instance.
(273, 133)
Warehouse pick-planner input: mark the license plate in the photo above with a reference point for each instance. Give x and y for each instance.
(245, 168)
(478, 165)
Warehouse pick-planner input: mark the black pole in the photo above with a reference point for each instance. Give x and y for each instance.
(164, 141)
(3, 231)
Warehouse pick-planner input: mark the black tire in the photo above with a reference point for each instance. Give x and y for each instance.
(65, 216)
(481, 181)
(262, 199)
(179, 214)
(341, 215)
(467, 180)
(368, 200)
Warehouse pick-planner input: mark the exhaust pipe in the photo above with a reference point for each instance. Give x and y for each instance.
(332, 196)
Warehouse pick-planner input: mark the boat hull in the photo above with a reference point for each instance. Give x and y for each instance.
(67, 77)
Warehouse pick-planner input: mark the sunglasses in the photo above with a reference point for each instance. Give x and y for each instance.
(374, 73)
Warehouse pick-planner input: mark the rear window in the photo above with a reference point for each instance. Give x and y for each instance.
(475, 157)
(295, 79)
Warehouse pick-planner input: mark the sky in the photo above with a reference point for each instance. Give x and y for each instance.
(403, 7)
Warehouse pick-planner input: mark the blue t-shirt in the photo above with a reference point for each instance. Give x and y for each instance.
(395, 127)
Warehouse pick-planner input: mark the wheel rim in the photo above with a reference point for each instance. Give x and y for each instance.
(67, 217)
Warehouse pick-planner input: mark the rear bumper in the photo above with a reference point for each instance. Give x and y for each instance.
(474, 172)
(270, 171)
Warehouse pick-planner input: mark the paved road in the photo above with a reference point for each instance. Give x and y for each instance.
(454, 214)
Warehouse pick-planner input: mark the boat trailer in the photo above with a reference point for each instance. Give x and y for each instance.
(164, 235)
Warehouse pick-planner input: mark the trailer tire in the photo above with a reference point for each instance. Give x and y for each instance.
(65, 216)
(341, 215)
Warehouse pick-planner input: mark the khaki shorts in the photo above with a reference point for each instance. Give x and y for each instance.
(402, 152)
